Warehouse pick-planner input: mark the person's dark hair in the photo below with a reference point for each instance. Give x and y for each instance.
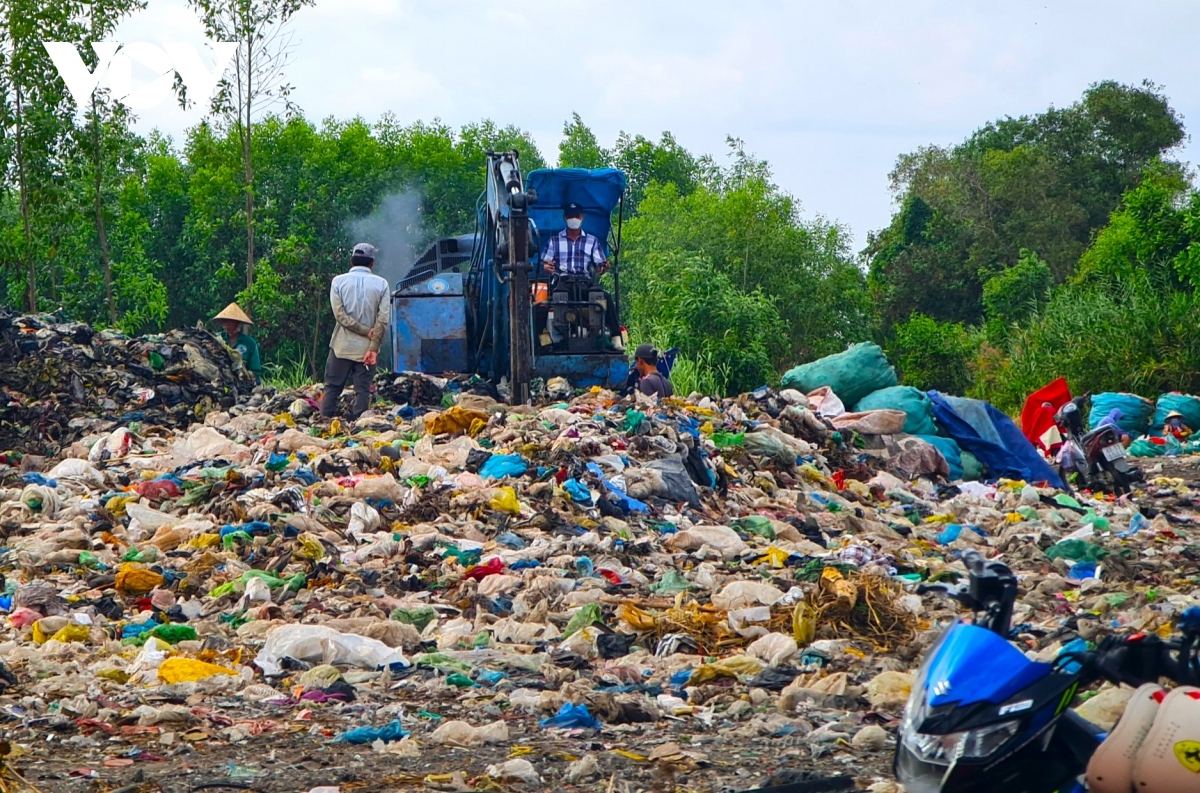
(362, 261)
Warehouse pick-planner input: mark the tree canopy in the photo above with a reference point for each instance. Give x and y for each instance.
(1045, 183)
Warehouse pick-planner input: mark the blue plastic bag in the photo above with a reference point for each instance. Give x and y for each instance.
(571, 717)
(489, 676)
(1072, 647)
(510, 540)
(628, 504)
(1136, 412)
(949, 449)
(499, 466)
(1136, 524)
(578, 492)
(362, 735)
(1081, 571)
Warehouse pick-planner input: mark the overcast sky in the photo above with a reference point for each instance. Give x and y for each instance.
(829, 93)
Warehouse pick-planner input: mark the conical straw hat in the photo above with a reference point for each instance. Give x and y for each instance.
(234, 311)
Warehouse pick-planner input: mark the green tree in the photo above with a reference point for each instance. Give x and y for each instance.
(579, 147)
(1046, 182)
(1015, 293)
(264, 49)
(36, 111)
(1129, 320)
(933, 355)
(753, 234)
(694, 306)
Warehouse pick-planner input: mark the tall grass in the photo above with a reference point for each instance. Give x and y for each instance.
(291, 374)
(1128, 335)
(698, 374)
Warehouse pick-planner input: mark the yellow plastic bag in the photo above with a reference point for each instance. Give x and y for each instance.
(739, 666)
(635, 617)
(205, 540)
(804, 624)
(845, 591)
(72, 633)
(188, 670)
(116, 504)
(310, 547)
(455, 420)
(505, 500)
(133, 581)
(776, 556)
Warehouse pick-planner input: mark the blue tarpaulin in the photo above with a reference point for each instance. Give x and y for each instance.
(598, 192)
(1013, 458)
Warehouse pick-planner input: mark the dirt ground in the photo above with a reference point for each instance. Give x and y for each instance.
(65, 760)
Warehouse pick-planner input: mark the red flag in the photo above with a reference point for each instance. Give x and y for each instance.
(1038, 415)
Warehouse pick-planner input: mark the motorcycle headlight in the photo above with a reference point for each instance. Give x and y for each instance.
(971, 744)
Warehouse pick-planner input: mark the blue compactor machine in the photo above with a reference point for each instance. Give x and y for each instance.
(481, 303)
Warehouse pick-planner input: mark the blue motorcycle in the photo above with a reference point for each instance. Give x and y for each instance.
(983, 718)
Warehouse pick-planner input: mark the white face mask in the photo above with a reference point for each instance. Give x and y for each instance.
(574, 224)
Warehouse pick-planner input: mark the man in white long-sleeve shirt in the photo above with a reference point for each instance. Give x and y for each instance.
(361, 304)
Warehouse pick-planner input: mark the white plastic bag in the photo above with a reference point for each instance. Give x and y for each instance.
(319, 644)
(385, 488)
(74, 468)
(148, 519)
(459, 733)
(743, 594)
(520, 770)
(774, 648)
(722, 539)
(363, 520)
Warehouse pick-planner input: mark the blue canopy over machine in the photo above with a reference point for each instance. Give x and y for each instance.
(473, 303)
(598, 192)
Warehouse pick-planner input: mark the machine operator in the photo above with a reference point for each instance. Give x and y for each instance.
(571, 252)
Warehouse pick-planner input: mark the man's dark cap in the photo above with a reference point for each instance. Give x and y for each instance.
(572, 210)
(646, 352)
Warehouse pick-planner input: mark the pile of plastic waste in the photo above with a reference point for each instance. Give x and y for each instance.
(453, 594)
(60, 380)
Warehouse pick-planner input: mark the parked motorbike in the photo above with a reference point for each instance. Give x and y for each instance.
(1097, 457)
(983, 718)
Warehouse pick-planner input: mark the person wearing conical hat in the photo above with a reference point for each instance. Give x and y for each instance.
(233, 322)
(1174, 426)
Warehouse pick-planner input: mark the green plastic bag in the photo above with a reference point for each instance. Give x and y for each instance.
(951, 453)
(671, 583)
(723, 440)
(1077, 551)
(851, 374)
(972, 468)
(587, 615)
(755, 524)
(1144, 447)
(442, 662)
(912, 401)
(417, 617)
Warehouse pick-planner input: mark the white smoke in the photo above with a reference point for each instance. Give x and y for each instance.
(396, 229)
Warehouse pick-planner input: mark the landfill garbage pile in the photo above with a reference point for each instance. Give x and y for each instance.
(61, 380)
(453, 594)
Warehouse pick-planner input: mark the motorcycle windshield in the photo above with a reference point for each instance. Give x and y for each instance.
(972, 664)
